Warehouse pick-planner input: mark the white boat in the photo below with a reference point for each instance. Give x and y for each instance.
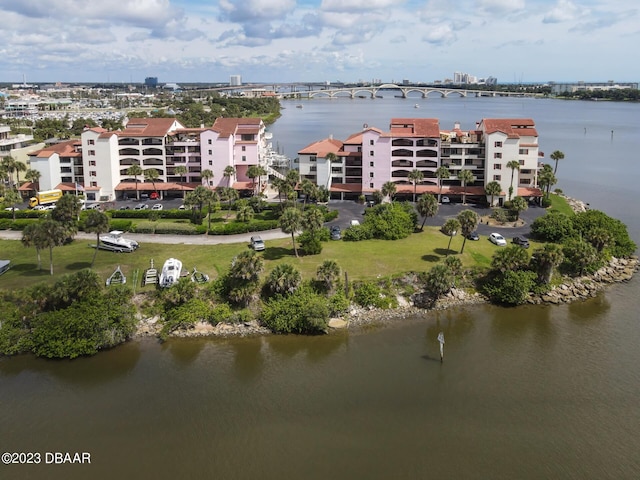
(416, 106)
(115, 242)
(170, 272)
(4, 266)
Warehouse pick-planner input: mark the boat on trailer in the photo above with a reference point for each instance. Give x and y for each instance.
(170, 272)
(199, 277)
(115, 242)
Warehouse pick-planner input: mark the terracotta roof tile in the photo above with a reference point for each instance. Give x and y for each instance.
(322, 148)
(415, 127)
(148, 127)
(512, 127)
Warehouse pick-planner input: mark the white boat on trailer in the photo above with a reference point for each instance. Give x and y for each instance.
(115, 242)
(170, 272)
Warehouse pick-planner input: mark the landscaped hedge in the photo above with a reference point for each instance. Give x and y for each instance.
(178, 214)
(233, 228)
(122, 225)
(19, 224)
(23, 213)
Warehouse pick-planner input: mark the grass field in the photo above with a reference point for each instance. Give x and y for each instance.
(361, 260)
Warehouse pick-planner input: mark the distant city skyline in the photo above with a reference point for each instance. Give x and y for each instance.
(515, 41)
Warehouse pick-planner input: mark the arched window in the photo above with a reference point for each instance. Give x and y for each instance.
(402, 142)
(401, 152)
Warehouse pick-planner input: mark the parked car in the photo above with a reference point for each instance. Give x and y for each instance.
(335, 232)
(157, 206)
(355, 223)
(144, 196)
(257, 244)
(445, 199)
(498, 239)
(126, 207)
(523, 242)
(473, 236)
(154, 196)
(142, 206)
(181, 207)
(10, 209)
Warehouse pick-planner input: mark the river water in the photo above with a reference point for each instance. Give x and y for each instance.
(523, 393)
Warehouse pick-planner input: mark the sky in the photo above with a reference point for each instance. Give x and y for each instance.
(318, 40)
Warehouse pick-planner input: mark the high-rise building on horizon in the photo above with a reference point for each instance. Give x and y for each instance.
(235, 80)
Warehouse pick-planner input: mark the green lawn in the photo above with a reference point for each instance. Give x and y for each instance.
(361, 260)
(560, 204)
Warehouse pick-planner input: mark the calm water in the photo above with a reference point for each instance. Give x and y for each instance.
(524, 393)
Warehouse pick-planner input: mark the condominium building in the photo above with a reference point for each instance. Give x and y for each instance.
(100, 161)
(365, 161)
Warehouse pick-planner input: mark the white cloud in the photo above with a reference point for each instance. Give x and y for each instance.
(564, 10)
(501, 6)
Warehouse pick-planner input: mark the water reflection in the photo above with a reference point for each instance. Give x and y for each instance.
(316, 348)
(106, 366)
(248, 358)
(184, 350)
(589, 310)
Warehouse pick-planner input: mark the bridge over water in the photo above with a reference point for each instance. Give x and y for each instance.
(403, 91)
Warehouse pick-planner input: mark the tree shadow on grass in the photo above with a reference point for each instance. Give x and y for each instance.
(31, 269)
(431, 258)
(276, 253)
(445, 251)
(74, 267)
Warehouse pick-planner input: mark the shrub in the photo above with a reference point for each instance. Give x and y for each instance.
(176, 228)
(123, 225)
(592, 220)
(330, 215)
(510, 287)
(356, 233)
(310, 243)
(580, 257)
(233, 228)
(301, 312)
(221, 312)
(369, 294)
(144, 227)
(552, 227)
(391, 221)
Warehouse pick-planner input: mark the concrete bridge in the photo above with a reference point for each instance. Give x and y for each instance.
(403, 91)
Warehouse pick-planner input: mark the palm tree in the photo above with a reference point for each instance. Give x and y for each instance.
(207, 175)
(545, 259)
(30, 238)
(330, 157)
(416, 176)
(97, 222)
(438, 281)
(377, 197)
(427, 207)
(284, 279)
(231, 194)
(151, 175)
(8, 165)
(244, 276)
(518, 205)
(12, 198)
(244, 212)
(556, 156)
(513, 165)
(466, 177)
(135, 170)
(229, 172)
(182, 171)
(450, 228)
(546, 178)
(512, 258)
(52, 234)
(492, 189)
(19, 167)
(328, 272)
(197, 197)
(291, 222)
(308, 188)
(599, 237)
(442, 173)
(292, 178)
(389, 189)
(67, 213)
(468, 223)
(253, 173)
(33, 176)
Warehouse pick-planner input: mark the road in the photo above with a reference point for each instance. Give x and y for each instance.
(348, 210)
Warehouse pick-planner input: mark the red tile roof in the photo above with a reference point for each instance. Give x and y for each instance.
(415, 127)
(322, 147)
(148, 127)
(69, 148)
(230, 126)
(512, 127)
(160, 186)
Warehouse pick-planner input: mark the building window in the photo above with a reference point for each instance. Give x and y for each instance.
(94, 184)
(370, 174)
(244, 148)
(91, 142)
(210, 152)
(524, 151)
(497, 144)
(92, 163)
(525, 181)
(521, 162)
(371, 185)
(497, 166)
(210, 162)
(371, 164)
(497, 155)
(371, 153)
(312, 158)
(209, 141)
(497, 178)
(244, 158)
(92, 153)
(370, 142)
(360, 149)
(93, 173)
(468, 161)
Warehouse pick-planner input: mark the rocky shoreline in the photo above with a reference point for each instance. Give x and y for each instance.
(577, 289)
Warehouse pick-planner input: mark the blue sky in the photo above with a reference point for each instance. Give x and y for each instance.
(318, 40)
